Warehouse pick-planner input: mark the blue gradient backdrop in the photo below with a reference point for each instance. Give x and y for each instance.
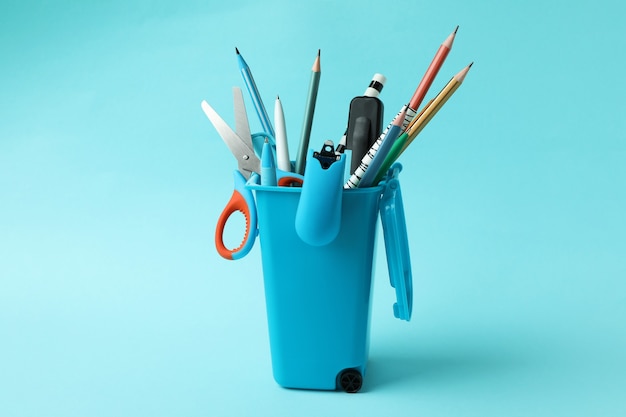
(113, 301)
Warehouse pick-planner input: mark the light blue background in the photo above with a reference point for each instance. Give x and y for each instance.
(113, 301)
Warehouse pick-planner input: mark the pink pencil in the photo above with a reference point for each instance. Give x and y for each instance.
(432, 71)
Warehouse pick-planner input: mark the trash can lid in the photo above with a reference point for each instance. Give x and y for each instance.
(397, 244)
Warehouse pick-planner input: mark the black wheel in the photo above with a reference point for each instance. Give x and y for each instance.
(350, 380)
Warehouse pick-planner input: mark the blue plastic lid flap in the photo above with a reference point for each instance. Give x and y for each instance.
(397, 244)
(318, 216)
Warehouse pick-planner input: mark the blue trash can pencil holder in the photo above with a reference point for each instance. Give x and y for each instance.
(318, 297)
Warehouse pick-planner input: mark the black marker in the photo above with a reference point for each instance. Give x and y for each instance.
(372, 90)
(365, 123)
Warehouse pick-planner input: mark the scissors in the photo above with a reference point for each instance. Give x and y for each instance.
(240, 142)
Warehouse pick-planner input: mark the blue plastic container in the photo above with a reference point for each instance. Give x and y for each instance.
(318, 297)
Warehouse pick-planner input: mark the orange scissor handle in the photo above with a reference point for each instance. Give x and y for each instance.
(290, 181)
(242, 200)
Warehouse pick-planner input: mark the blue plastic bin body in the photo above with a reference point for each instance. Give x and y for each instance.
(317, 297)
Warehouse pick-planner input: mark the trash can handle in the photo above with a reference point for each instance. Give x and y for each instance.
(397, 244)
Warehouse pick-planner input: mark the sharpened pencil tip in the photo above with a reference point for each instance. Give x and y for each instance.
(237, 50)
(318, 52)
(457, 28)
(470, 65)
(316, 63)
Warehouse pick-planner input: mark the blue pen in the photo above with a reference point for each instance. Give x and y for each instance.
(254, 94)
(268, 166)
(381, 152)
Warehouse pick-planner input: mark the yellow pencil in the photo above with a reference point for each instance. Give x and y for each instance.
(433, 106)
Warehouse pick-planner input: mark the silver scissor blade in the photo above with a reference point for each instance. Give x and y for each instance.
(247, 161)
(242, 127)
